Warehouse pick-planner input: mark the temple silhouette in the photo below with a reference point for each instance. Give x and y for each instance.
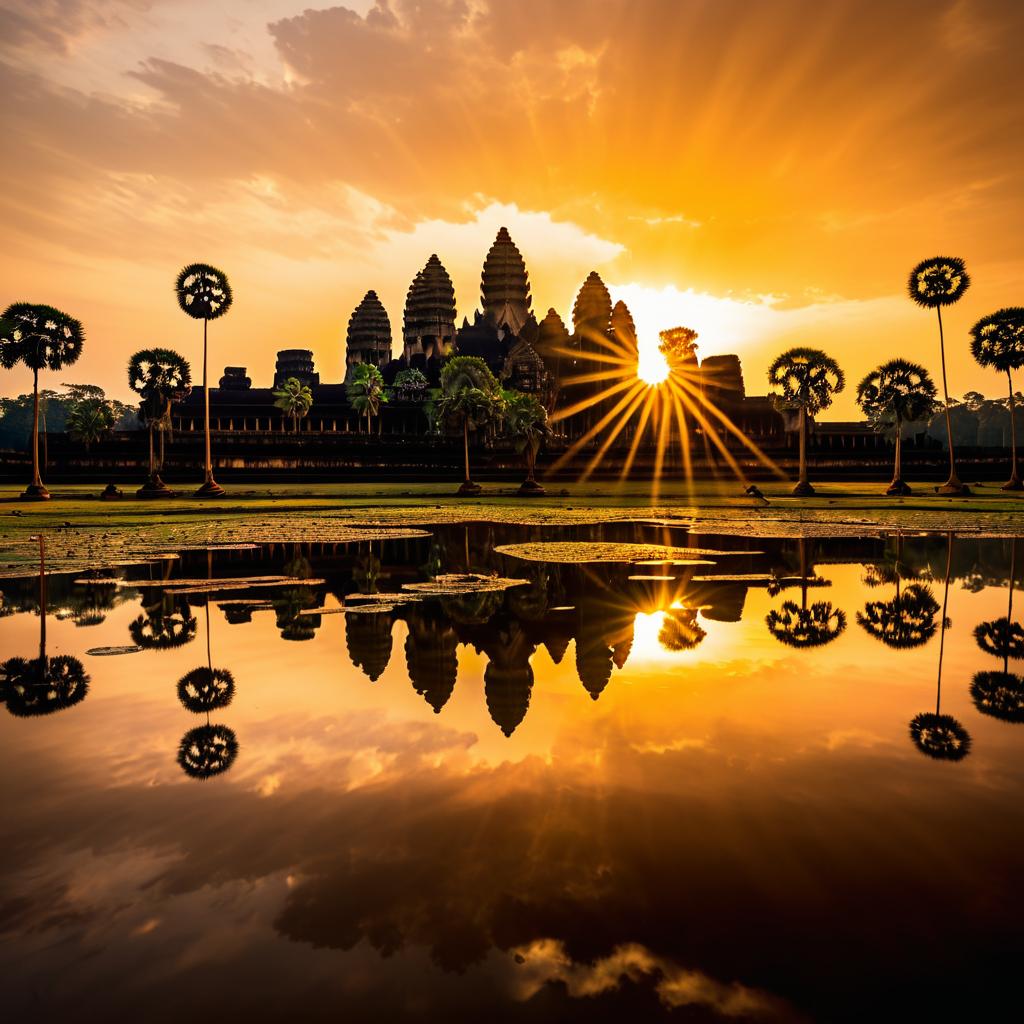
(542, 357)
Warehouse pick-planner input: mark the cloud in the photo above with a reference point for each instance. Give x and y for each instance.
(546, 960)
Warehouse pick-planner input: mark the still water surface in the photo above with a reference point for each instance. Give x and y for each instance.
(784, 784)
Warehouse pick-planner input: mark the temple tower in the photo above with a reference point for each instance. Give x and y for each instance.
(297, 363)
(624, 331)
(592, 314)
(505, 285)
(429, 323)
(369, 333)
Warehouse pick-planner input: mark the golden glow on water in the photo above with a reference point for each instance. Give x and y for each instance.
(604, 737)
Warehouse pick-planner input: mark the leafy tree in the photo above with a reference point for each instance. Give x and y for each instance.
(160, 377)
(934, 283)
(365, 391)
(469, 397)
(895, 393)
(526, 423)
(294, 399)
(90, 420)
(204, 294)
(997, 341)
(807, 380)
(411, 384)
(41, 337)
(680, 630)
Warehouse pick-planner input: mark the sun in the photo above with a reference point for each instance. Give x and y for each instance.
(652, 367)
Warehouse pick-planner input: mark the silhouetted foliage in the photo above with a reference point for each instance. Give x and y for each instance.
(206, 689)
(940, 736)
(207, 750)
(680, 630)
(1001, 637)
(41, 686)
(908, 620)
(999, 694)
(812, 626)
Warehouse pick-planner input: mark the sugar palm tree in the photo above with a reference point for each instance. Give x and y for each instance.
(204, 294)
(526, 423)
(40, 686)
(470, 397)
(997, 340)
(294, 399)
(159, 376)
(807, 380)
(934, 283)
(895, 393)
(937, 735)
(365, 391)
(43, 338)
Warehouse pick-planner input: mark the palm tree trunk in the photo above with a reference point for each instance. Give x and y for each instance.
(1014, 483)
(465, 446)
(36, 479)
(160, 464)
(208, 465)
(152, 461)
(210, 487)
(803, 487)
(952, 485)
(897, 476)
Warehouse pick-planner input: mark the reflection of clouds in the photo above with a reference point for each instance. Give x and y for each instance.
(546, 960)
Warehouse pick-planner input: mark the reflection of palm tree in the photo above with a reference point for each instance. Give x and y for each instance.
(803, 626)
(1001, 694)
(908, 620)
(207, 750)
(41, 686)
(680, 630)
(206, 689)
(937, 735)
(166, 624)
(1003, 637)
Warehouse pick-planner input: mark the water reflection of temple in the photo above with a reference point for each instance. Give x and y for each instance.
(589, 607)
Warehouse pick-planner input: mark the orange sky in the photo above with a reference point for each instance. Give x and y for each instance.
(765, 172)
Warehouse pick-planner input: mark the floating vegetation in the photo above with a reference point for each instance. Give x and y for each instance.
(456, 583)
(322, 611)
(656, 579)
(109, 652)
(369, 609)
(99, 581)
(381, 598)
(226, 581)
(575, 552)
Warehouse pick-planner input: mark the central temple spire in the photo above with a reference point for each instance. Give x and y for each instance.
(505, 285)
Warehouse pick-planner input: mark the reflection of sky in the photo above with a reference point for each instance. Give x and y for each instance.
(716, 811)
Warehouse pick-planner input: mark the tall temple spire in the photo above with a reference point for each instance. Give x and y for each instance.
(624, 330)
(505, 285)
(369, 333)
(592, 313)
(429, 323)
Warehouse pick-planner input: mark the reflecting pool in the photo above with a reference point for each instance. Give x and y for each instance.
(499, 773)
